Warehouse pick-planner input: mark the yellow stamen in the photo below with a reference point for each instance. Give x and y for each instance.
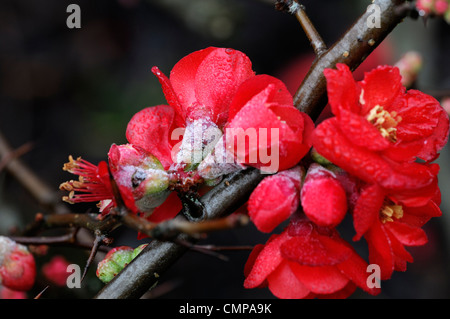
(389, 211)
(385, 122)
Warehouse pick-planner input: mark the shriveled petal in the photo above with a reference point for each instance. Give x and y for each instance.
(151, 129)
(320, 280)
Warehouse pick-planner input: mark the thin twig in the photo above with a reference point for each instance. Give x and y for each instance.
(38, 189)
(297, 9)
(18, 152)
(98, 239)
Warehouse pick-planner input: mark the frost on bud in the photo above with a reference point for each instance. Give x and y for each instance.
(141, 173)
(275, 199)
(17, 265)
(323, 198)
(113, 263)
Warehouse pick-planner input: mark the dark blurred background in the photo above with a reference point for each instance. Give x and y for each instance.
(73, 91)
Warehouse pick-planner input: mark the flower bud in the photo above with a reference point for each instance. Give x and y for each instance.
(323, 198)
(17, 265)
(113, 263)
(409, 65)
(56, 270)
(141, 173)
(138, 250)
(275, 199)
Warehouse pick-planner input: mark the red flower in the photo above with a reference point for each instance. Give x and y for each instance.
(388, 224)
(94, 185)
(307, 261)
(379, 129)
(217, 87)
(275, 199)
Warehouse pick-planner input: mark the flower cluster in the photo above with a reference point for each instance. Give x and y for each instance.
(373, 159)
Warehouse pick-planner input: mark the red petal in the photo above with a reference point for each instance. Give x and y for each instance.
(315, 250)
(424, 126)
(170, 95)
(381, 86)
(367, 209)
(182, 77)
(380, 251)
(266, 262)
(407, 235)
(361, 132)
(167, 210)
(151, 129)
(285, 285)
(255, 85)
(252, 259)
(343, 92)
(355, 268)
(320, 280)
(369, 166)
(274, 200)
(323, 199)
(218, 78)
(344, 293)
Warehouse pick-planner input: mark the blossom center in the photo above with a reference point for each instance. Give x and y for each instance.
(389, 211)
(385, 122)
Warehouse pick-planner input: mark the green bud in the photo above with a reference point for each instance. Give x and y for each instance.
(138, 250)
(113, 263)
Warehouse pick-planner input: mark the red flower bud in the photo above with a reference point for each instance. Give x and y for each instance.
(17, 266)
(323, 198)
(275, 199)
(56, 270)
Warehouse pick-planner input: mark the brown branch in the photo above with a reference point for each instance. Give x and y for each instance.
(355, 45)
(298, 10)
